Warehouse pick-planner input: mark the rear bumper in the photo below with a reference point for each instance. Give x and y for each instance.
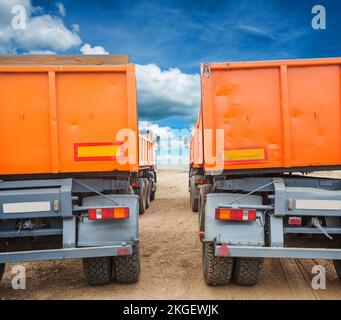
(69, 253)
(273, 252)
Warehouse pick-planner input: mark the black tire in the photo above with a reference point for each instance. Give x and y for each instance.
(126, 269)
(152, 189)
(2, 270)
(247, 271)
(148, 190)
(193, 202)
(98, 270)
(217, 270)
(152, 194)
(142, 199)
(337, 266)
(204, 191)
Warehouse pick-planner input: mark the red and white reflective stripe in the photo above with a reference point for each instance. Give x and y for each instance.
(235, 214)
(108, 213)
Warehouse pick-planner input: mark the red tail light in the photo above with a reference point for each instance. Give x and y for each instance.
(108, 213)
(296, 221)
(202, 181)
(235, 214)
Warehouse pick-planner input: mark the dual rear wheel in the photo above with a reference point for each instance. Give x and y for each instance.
(220, 270)
(194, 202)
(146, 193)
(102, 270)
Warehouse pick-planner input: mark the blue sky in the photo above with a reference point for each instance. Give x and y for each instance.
(179, 35)
(185, 33)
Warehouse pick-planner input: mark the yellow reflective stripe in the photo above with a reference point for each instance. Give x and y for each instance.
(98, 151)
(244, 154)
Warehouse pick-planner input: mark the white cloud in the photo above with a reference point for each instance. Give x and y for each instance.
(75, 27)
(61, 9)
(42, 32)
(167, 93)
(87, 49)
(6, 16)
(46, 32)
(6, 10)
(173, 144)
(37, 10)
(41, 52)
(257, 31)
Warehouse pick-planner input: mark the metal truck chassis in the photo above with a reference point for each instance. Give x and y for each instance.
(54, 201)
(272, 252)
(287, 196)
(70, 253)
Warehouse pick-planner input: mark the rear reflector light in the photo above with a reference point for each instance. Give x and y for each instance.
(123, 252)
(235, 214)
(134, 184)
(223, 250)
(108, 213)
(202, 181)
(295, 221)
(201, 234)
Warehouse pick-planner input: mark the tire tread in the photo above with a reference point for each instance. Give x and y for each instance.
(126, 269)
(247, 271)
(97, 270)
(217, 270)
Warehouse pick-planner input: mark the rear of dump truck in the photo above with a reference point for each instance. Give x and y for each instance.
(260, 126)
(69, 154)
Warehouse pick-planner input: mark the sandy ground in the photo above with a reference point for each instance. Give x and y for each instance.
(171, 264)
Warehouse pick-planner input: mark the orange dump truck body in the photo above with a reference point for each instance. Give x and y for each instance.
(65, 114)
(196, 145)
(272, 114)
(146, 152)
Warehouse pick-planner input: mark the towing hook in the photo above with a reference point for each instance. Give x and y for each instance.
(317, 224)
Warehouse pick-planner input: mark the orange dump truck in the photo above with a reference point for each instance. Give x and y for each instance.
(260, 126)
(74, 172)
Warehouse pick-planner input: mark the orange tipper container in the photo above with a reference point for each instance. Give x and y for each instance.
(65, 114)
(146, 152)
(271, 114)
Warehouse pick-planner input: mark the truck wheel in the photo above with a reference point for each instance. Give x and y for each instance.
(247, 271)
(126, 269)
(337, 266)
(152, 189)
(217, 270)
(152, 194)
(204, 191)
(148, 190)
(2, 270)
(142, 198)
(194, 202)
(98, 270)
